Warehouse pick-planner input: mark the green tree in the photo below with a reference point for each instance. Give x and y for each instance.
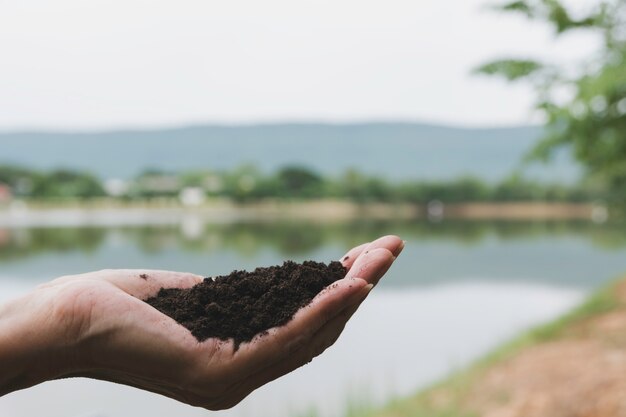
(295, 181)
(591, 122)
(242, 184)
(67, 184)
(21, 180)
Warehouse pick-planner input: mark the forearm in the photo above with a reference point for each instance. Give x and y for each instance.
(31, 349)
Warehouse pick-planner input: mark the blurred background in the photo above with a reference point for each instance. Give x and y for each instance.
(208, 136)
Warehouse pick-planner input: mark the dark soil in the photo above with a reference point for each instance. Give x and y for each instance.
(244, 304)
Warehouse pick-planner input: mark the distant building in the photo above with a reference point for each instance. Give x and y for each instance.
(192, 196)
(159, 184)
(6, 194)
(116, 187)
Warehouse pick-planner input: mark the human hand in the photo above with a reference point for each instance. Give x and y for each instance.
(96, 325)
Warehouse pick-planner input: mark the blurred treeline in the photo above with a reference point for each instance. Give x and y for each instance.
(248, 184)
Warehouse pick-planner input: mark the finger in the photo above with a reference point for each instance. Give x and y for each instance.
(144, 284)
(372, 265)
(390, 242)
(348, 259)
(278, 342)
(322, 340)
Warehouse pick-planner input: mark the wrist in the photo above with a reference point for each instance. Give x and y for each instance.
(34, 346)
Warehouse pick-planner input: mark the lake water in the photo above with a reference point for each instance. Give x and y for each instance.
(458, 290)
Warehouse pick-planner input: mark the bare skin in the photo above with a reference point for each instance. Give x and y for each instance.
(96, 325)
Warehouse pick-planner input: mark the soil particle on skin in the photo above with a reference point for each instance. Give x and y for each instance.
(244, 304)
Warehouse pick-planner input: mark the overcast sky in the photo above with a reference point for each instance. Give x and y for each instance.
(93, 64)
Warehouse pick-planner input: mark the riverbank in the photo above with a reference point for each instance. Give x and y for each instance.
(106, 213)
(573, 367)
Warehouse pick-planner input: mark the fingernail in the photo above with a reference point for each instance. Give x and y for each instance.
(400, 248)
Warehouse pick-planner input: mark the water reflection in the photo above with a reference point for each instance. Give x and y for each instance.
(578, 254)
(292, 238)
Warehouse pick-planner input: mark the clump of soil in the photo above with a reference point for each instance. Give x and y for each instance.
(244, 304)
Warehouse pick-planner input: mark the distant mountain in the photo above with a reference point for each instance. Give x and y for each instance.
(393, 150)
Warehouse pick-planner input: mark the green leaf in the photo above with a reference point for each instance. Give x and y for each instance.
(511, 69)
(516, 6)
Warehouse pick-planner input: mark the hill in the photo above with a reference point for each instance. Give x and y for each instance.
(392, 150)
